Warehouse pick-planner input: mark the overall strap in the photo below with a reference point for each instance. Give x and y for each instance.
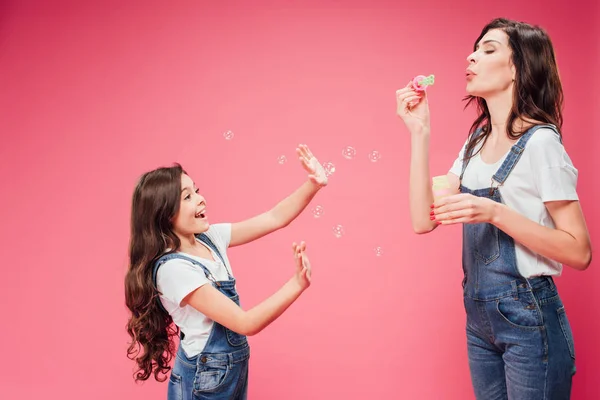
(203, 237)
(467, 156)
(173, 256)
(515, 154)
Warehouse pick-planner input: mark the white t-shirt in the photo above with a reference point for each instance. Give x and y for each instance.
(177, 278)
(543, 173)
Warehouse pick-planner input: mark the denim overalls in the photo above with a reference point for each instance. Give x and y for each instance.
(519, 339)
(220, 371)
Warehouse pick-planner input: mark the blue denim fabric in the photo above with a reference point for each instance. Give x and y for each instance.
(220, 371)
(519, 340)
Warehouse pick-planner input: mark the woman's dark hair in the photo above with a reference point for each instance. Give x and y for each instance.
(155, 204)
(537, 95)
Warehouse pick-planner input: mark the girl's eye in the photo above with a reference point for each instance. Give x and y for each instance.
(197, 191)
(187, 197)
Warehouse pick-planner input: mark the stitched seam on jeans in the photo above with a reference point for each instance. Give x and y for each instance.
(549, 300)
(495, 240)
(545, 374)
(523, 327)
(563, 328)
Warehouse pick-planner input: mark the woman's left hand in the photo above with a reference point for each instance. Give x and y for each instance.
(316, 172)
(463, 208)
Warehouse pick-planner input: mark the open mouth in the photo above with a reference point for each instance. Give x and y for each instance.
(201, 215)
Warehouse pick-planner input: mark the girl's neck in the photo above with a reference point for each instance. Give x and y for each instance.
(187, 243)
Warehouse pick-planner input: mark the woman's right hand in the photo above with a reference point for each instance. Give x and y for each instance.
(413, 108)
(302, 276)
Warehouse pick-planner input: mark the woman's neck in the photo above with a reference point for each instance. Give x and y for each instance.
(499, 107)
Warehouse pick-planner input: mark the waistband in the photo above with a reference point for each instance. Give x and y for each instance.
(214, 359)
(509, 288)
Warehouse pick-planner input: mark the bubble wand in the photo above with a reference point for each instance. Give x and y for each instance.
(421, 82)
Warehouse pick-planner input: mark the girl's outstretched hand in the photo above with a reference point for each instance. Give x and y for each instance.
(303, 269)
(316, 172)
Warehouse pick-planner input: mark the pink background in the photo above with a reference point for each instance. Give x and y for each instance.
(94, 93)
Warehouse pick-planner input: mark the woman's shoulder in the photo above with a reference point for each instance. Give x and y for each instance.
(545, 135)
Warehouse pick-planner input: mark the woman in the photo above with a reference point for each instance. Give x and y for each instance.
(515, 194)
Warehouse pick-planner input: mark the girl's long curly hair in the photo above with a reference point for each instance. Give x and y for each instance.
(538, 93)
(155, 204)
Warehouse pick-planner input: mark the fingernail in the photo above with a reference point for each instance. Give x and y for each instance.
(431, 206)
(432, 217)
(431, 213)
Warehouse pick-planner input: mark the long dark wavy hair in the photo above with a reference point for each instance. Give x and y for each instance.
(155, 204)
(537, 93)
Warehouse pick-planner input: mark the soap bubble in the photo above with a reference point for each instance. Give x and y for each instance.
(228, 135)
(282, 160)
(338, 231)
(329, 168)
(349, 152)
(318, 211)
(378, 251)
(374, 156)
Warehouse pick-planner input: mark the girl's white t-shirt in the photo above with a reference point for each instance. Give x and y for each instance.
(543, 173)
(177, 278)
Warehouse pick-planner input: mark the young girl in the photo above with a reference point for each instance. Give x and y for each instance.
(515, 194)
(179, 273)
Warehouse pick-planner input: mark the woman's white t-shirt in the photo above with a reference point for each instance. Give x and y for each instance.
(543, 173)
(177, 278)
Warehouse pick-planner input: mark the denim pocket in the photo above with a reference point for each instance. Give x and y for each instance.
(485, 241)
(566, 330)
(210, 378)
(175, 389)
(523, 313)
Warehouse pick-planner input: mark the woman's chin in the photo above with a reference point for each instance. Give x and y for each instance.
(471, 90)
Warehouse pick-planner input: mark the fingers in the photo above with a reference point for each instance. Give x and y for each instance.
(297, 259)
(445, 209)
(409, 96)
(298, 248)
(310, 154)
(452, 215)
(402, 94)
(447, 200)
(412, 101)
(304, 152)
(463, 220)
(306, 165)
(409, 99)
(301, 151)
(306, 270)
